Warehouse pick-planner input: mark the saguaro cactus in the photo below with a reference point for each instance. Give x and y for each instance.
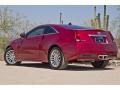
(104, 17)
(107, 22)
(99, 21)
(96, 21)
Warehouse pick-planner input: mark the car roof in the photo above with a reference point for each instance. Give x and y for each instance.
(74, 27)
(67, 26)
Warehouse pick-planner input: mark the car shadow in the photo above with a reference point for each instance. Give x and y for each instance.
(69, 68)
(86, 68)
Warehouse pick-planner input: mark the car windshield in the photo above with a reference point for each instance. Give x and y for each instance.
(76, 27)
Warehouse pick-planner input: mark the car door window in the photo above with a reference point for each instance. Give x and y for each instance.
(35, 32)
(49, 30)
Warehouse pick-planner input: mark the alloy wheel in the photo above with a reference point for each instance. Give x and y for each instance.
(10, 57)
(55, 58)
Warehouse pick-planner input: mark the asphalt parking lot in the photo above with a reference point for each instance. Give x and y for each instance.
(39, 74)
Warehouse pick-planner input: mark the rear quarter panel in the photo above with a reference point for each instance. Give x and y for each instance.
(66, 41)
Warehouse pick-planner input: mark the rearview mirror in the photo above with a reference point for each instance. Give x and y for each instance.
(23, 35)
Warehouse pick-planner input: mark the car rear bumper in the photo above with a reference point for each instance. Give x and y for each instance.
(96, 57)
(90, 52)
(96, 52)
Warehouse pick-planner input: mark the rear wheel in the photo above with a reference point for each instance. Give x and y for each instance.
(100, 64)
(56, 59)
(9, 57)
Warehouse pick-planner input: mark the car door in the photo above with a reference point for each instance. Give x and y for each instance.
(31, 46)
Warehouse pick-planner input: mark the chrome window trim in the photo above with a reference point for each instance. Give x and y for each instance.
(97, 35)
(50, 34)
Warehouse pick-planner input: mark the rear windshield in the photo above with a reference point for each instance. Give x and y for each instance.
(76, 27)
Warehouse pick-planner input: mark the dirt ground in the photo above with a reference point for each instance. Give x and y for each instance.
(37, 74)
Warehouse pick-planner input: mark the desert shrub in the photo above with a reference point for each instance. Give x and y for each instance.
(3, 42)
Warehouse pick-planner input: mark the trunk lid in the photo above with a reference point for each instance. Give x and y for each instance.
(95, 41)
(93, 36)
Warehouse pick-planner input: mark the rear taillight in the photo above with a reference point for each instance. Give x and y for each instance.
(77, 36)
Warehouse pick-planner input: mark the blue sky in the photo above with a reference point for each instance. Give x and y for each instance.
(77, 14)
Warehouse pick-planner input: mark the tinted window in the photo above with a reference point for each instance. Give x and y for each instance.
(49, 30)
(36, 31)
(75, 27)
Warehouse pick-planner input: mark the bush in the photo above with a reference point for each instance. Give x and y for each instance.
(3, 42)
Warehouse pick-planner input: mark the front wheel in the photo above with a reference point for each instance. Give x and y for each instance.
(9, 57)
(56, 59)
(100, 64)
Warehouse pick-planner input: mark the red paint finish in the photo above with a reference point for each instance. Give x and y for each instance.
(75, 44)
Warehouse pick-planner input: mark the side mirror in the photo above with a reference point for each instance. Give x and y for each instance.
(23, 35)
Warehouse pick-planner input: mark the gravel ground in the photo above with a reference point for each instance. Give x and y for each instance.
(37, 74)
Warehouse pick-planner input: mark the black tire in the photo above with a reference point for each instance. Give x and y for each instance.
(62, 63)
(100, 64)
(6, 59)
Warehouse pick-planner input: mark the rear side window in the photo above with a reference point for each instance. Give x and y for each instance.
(75, 27)
(36, 31)
(49, 30)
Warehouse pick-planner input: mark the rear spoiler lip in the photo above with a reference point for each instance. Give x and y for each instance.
(97, 35)
(88, 30)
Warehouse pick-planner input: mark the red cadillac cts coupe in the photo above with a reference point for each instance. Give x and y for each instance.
(59, 45)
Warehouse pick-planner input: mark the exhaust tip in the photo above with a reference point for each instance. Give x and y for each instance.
(103, 57)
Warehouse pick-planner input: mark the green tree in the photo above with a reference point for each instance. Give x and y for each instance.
(11, 25)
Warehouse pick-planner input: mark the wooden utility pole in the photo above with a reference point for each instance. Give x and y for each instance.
(60, 18)
(95, 12)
